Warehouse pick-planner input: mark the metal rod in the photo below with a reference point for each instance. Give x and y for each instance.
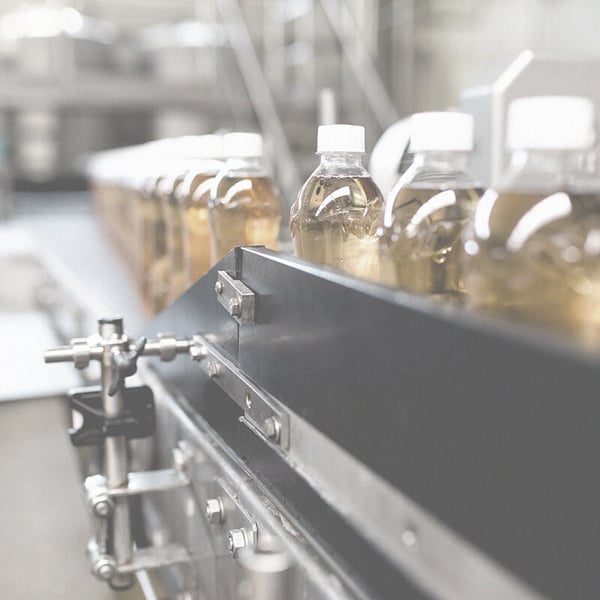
(56, 355)
(116, 457)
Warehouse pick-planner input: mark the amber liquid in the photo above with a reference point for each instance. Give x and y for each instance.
(334, 222)
(196, 230)
(176, 276)
(153, 245)
(421, 242)
(245, 211)
(540, 261)
(165, 249)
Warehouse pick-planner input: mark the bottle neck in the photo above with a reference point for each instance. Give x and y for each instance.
(441, 160)
(251, 165)
(341, 164)
(542, 169)
(439, 169)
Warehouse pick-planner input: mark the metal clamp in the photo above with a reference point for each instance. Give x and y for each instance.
(236, 297)
(140, 482)
(136, 421)
(261, 410)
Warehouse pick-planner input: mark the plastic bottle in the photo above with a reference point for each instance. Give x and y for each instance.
(194, 198)
(428, 208)
(335, 216)
(244, 208)
(533, 252)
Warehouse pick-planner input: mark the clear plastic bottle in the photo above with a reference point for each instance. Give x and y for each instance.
(336, 214)
(244, 208)
(533, 252)
(167, 261)
(429, 207)
(194, 198)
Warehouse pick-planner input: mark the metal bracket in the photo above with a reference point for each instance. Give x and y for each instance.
(259, 407)
(105, 568)
(236, 297)
(155, 558)
(141, 482)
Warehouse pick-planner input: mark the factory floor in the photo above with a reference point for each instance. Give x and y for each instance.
(43, 520)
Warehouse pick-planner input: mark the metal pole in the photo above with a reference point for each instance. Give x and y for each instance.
(116, 456)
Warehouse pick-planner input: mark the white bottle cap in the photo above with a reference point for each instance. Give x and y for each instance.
(200, 146)
(441, 131)
(550, 123)
(341, 138)
(242, 145)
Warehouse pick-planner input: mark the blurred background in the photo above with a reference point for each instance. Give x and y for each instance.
(81, 76)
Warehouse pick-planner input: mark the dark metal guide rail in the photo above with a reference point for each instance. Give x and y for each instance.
(489, 429)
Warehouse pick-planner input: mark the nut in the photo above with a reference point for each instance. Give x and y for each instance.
(272, 428)
(104, 569)
(237, 541)
(214, 510)
(213, 369)
(102, 505)
(197, 352)
(235, 307)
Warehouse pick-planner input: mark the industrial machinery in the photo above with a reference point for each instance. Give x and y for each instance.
(308, 435)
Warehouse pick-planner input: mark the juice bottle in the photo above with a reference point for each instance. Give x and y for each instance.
(336, 214)
(244, 208)
(533, 251)
(429, 207)
(194, 196)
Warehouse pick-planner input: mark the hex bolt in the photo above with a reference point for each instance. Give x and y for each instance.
(183, 455)
(237, 540)
(219, 287)
(214, 510)
(213, 369)
(104, 569)
(272, 428)
(235, 307)
(197, 352)
(102, 505)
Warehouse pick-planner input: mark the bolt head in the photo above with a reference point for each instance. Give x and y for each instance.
(272, 428)
(104, 569)
(102, 505)
(213, 369)
(197, 352)
(235, 307)
(219, 287)
(214, 510)
(409, 538)
(237, 540)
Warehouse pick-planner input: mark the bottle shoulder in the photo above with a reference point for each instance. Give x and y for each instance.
(512, 220)
(334, 197)
(244, 191)
(427, 177)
